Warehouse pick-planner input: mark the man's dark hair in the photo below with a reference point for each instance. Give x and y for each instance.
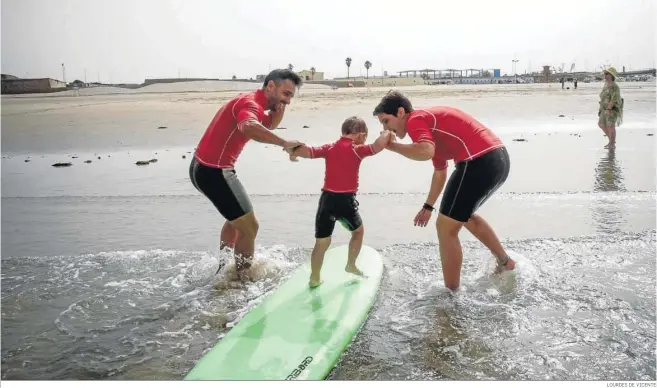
(391, 102)
(354, 125)
(280, 75)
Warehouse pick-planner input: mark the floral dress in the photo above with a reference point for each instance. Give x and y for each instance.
(610, 92)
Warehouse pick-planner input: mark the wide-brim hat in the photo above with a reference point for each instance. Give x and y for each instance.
(611, 70)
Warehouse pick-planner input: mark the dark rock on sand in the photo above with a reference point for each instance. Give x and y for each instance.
(87, 161)
(519, 139)
(65, 164)
(153, 160)
(161, 127)
(562, 116)
(143, 163)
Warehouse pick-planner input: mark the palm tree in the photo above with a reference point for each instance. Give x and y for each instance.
(348, 62)
(368, 64)
(312, 73)
(290, 66)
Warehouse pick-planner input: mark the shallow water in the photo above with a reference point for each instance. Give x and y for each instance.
(107, 268)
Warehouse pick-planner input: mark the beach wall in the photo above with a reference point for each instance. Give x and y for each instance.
(393, 81)
(38, 85)
(344, 83)
(151, 81)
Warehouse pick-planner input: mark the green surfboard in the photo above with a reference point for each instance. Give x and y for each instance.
(298, 333)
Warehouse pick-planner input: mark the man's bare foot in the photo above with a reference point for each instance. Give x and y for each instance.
(241, 265)
(504, 265)
(353, 270)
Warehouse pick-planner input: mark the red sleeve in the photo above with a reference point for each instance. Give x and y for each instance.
(364, 150)
(438, 162)
(418, 129)
(319, 152)
(248, 110)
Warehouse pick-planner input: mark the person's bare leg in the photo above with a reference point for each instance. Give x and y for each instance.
(317, 259)
(247, 230)
(228, 236)
(484, 233)
(611, 132)
(602, 126)
(451, 255)
(355, 244)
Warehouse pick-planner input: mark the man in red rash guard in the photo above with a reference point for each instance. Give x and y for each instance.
(212, 170)
(482, 166)
(338, 200)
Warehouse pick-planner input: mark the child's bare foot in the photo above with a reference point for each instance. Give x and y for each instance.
(353, 270)
(505, 264)
(314, 282)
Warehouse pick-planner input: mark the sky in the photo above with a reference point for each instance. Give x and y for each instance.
(129, 40)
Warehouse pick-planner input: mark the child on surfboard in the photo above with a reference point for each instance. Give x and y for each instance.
(338, 200)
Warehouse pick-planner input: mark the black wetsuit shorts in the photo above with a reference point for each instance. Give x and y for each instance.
(473, 182)
(222, 188)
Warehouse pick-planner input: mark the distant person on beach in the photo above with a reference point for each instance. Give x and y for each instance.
(338, 200)
(575, 83)
(610, 113)
(482, 166)
(212, 170)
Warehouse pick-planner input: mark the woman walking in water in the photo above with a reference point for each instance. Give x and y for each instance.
(611, 107)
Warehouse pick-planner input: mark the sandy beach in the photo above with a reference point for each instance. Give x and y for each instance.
(106, 266)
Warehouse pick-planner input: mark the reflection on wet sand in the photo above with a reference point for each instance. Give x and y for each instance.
(608, 178)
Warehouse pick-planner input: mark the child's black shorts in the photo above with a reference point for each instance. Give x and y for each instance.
(333, 207)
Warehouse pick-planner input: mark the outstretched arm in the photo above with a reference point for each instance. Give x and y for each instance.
(256, 131)
(423, 147)
(415, 151)
(309, 152)
(302, 151)
(382, 141)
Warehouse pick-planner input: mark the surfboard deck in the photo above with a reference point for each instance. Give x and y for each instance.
(298, 333)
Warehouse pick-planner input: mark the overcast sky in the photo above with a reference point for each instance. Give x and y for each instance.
(130, 40)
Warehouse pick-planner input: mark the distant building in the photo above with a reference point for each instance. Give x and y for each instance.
(13, 85)
(308, 75)
(261, 77)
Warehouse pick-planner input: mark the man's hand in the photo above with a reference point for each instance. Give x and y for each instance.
(291, 145)
(276, 115)
(422, 217)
